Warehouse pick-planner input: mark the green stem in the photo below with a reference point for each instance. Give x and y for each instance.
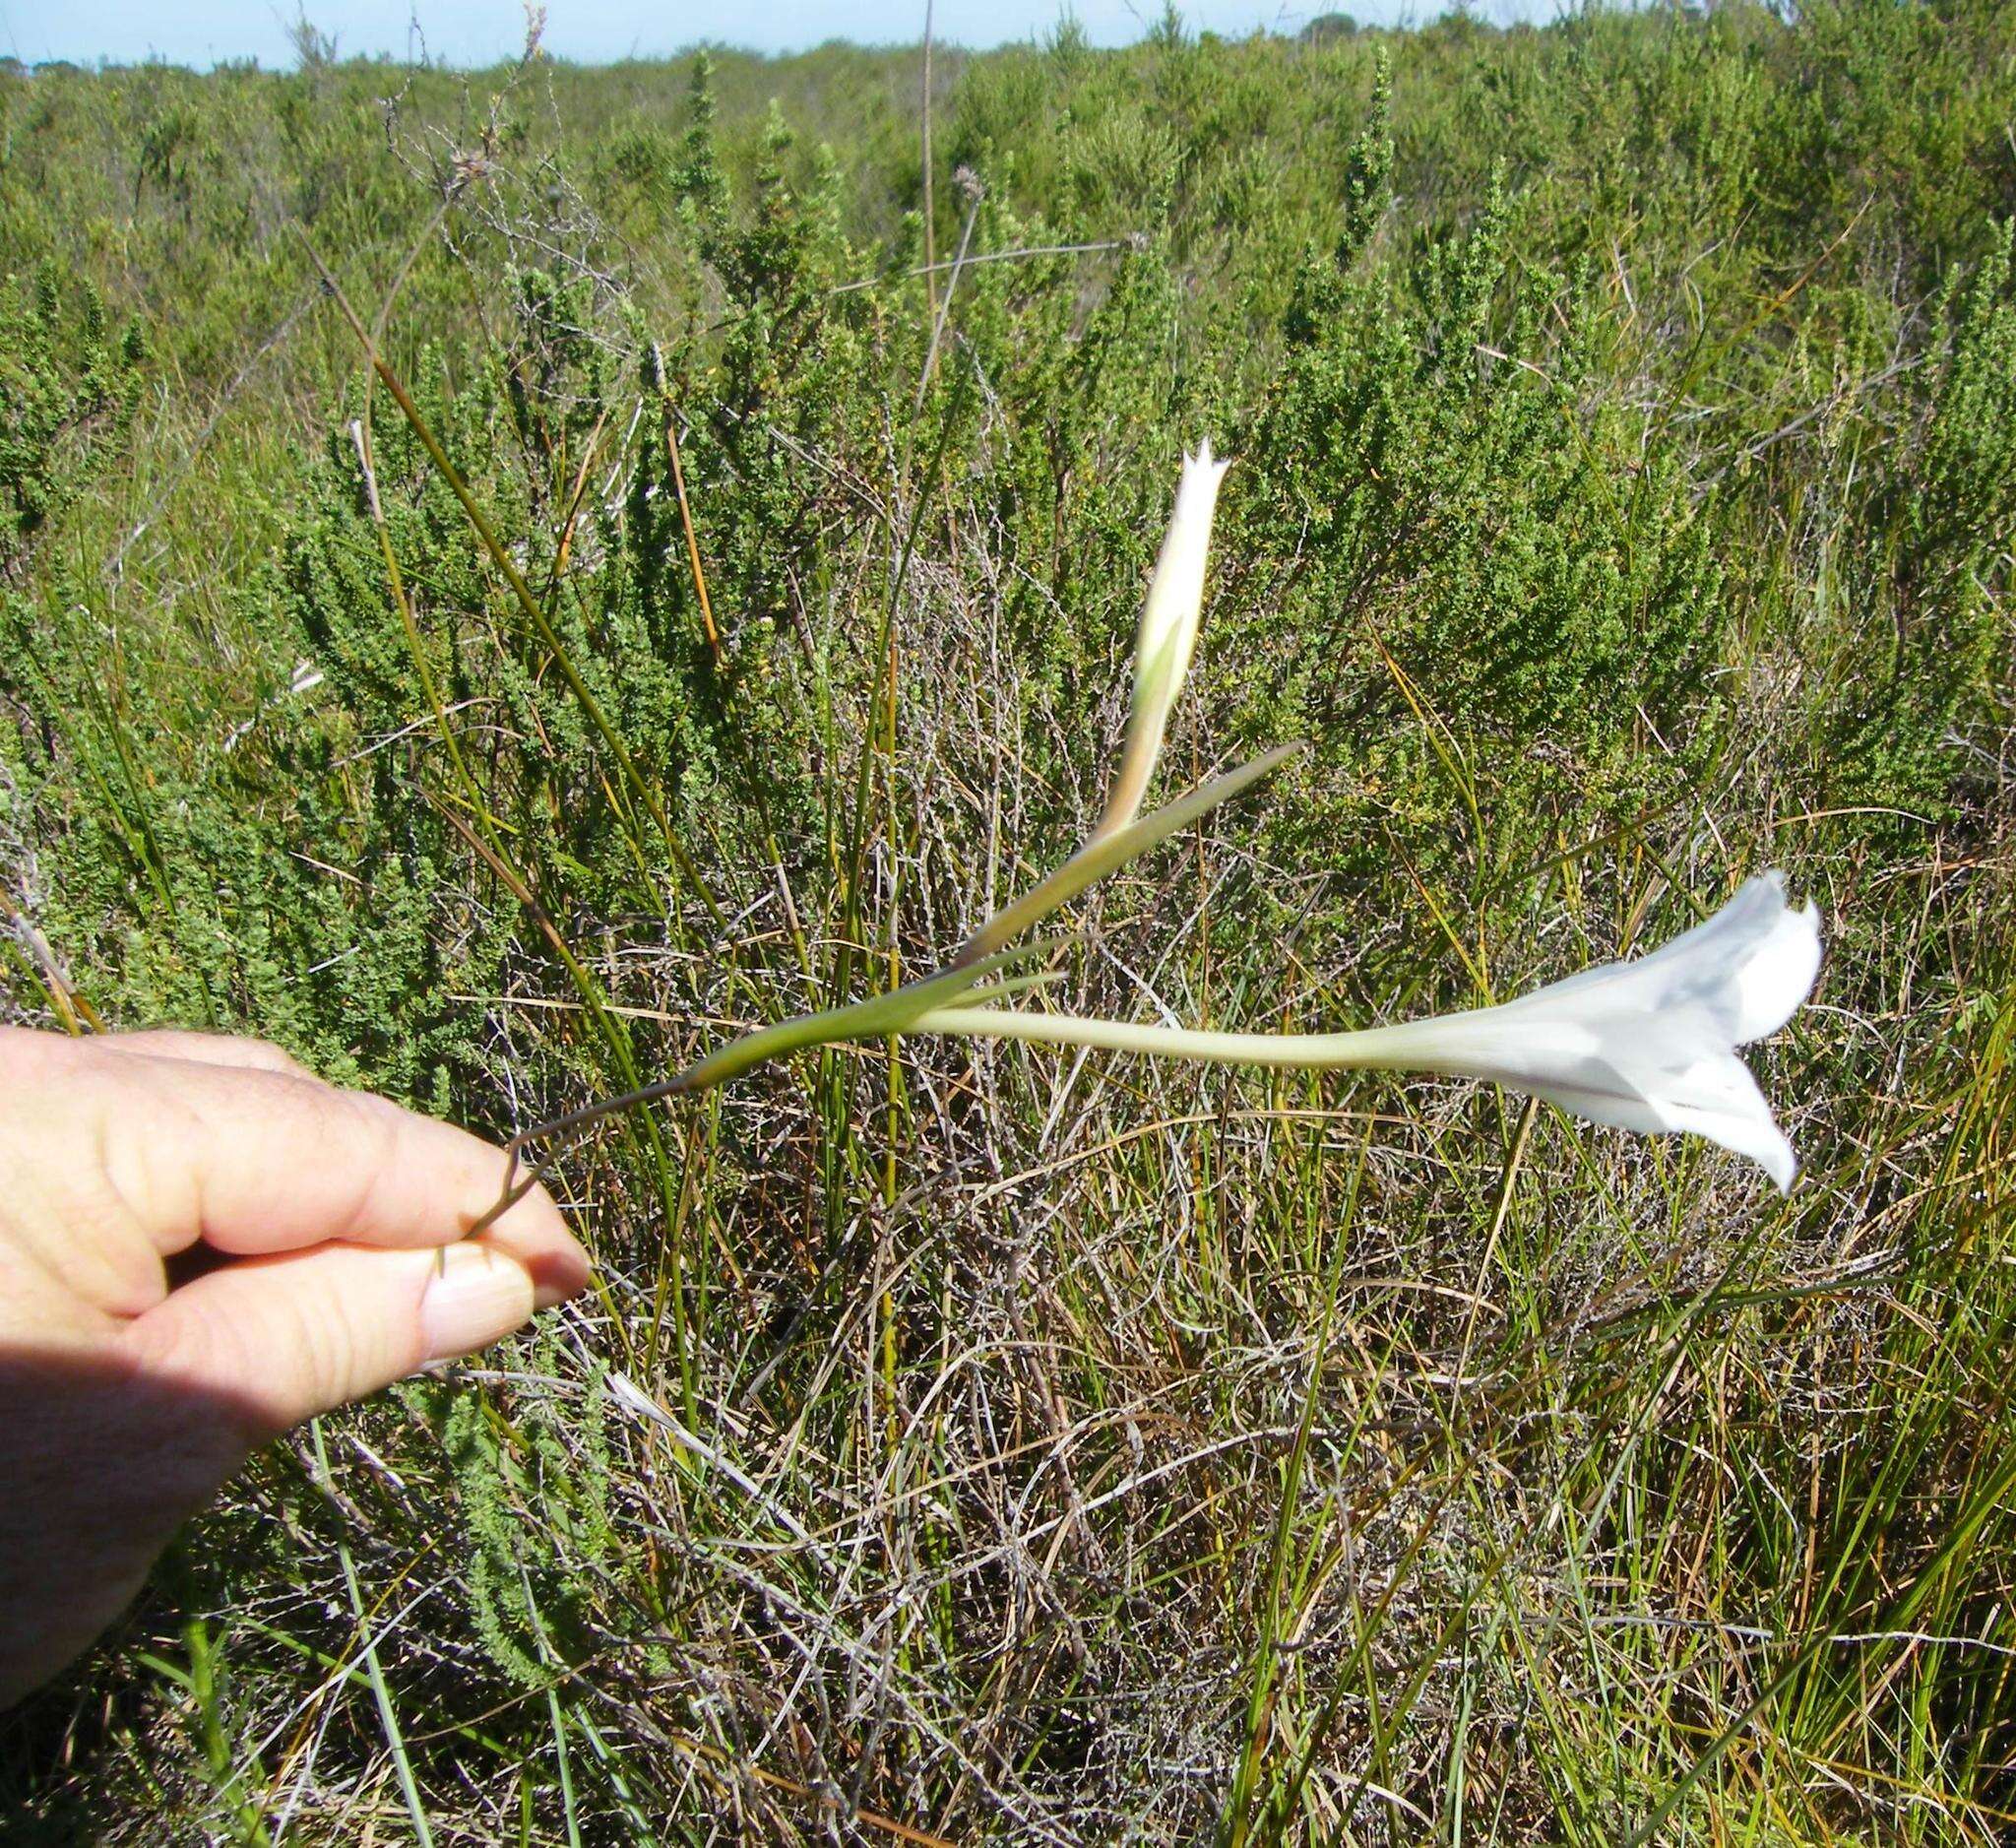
(877, 1017)
(1103, 852)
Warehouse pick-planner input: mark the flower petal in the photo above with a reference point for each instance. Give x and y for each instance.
(1779, 974)
(1717, 1097)
(1649, 1044)
(1167, 636)
(1747, 967)
(1175, 594)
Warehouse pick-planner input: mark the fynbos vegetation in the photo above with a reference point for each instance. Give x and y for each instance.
(719, 600)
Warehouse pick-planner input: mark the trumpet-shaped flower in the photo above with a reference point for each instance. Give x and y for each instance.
(1167, 636)
(1647, 1044)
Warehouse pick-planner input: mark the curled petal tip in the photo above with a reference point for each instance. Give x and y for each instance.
(1776, 970)
(1771, 1149)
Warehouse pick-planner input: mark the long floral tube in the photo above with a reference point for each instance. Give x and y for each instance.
(1646, 1044)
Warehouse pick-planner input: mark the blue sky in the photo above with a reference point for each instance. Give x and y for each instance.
(480, 32)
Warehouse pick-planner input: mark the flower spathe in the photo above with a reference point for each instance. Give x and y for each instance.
(1175, 594)
(1647, 1044)
(1163, 646)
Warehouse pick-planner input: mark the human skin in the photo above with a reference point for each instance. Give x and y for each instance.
(328, 1231)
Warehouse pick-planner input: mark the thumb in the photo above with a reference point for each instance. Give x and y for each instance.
(282, 1338)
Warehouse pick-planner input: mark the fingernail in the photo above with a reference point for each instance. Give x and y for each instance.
(475, 1295)
(549, 1291)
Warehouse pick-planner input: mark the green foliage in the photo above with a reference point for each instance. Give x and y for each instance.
(67, 386)
(1931, 568)
(534, 1501)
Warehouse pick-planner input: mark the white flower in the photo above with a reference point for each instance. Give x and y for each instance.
(1649, 1044)
(1168, 635)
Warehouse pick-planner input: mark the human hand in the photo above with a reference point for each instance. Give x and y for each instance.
(338, 1220)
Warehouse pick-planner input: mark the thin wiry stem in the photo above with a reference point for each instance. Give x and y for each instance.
(880, 1016)
(1103, 855)
(932, 997)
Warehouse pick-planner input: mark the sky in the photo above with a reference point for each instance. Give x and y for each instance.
(481, 31)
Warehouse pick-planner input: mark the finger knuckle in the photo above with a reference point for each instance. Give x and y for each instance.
(275, 1057)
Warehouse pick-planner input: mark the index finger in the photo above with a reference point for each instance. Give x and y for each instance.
(251, 1159)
